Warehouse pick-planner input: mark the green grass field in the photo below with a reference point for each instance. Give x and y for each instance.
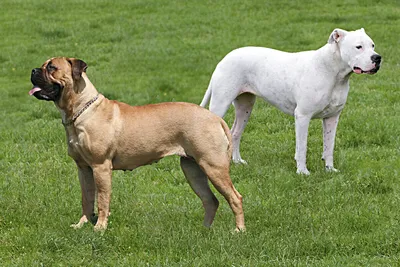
(143, 52)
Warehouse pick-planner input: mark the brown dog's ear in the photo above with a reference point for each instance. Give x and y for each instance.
(78, 66)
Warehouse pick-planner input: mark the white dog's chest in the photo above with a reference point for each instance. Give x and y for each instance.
(335, 103)
(329, 111)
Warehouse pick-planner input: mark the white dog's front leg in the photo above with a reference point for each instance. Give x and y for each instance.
(329, 131)
(302, 122)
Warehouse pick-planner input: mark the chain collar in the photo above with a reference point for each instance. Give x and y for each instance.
(76, 115)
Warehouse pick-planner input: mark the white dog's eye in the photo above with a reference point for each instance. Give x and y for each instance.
(359, 46)
(373, 46)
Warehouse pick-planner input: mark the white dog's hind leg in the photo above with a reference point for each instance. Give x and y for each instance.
(243, 106)
(329, 132)
(302, 122)
(223, 88)
(219, 105)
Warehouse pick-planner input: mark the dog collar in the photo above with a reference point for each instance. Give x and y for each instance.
(76, 115)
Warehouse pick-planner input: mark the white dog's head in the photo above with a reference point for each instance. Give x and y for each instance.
(356, 49)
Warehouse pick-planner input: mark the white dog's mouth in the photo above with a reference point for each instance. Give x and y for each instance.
(371, 71)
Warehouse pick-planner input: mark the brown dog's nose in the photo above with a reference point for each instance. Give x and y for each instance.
(34, 71)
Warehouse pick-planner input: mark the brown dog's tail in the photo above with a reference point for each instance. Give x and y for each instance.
(228, 137)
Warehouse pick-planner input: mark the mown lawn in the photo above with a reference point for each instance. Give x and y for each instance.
(143, 52)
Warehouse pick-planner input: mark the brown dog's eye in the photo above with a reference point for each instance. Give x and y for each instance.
(51, 68)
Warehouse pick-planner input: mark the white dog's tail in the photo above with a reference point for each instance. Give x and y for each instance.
(206, 97)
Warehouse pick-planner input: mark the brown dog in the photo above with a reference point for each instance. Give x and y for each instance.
(105, 135)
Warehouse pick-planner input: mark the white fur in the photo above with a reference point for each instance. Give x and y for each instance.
(307, 85)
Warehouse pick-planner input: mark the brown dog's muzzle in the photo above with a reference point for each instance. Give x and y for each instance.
(43, 89)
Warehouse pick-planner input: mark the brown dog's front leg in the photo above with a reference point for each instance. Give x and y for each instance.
(102, 177)
(88, 189)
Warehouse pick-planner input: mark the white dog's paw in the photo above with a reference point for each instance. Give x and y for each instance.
(239, 161)
(303, 171)
(331, 169)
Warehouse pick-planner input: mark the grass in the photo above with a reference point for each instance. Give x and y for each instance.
(152, 51)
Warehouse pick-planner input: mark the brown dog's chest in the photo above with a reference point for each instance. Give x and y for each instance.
(76, 147)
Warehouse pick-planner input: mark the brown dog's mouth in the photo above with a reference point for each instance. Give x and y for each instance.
(50, 92)
(34, 90)
(39, 93)
(42, 89)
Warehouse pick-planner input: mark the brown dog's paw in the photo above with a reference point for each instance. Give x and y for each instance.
(76, 225)
(239, 230)
(81, 222)
(100, 227)
(93, 219)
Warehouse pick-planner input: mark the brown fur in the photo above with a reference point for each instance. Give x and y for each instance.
(111, 135)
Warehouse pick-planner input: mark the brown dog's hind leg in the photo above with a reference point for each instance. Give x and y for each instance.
(88, 189)
(199, 183)
(219, 177)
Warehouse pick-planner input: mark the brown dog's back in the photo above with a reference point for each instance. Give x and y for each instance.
(159, 130)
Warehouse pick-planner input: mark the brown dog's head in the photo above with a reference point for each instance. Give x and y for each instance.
(56, 74)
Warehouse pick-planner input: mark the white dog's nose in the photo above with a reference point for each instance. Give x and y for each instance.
(376, 59)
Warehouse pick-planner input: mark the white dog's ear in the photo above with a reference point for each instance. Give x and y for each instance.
(336, 36)
(362, 29)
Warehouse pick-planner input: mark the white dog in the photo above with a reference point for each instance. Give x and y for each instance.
(306, 85)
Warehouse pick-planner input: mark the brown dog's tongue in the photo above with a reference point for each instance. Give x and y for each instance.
(34, 90)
